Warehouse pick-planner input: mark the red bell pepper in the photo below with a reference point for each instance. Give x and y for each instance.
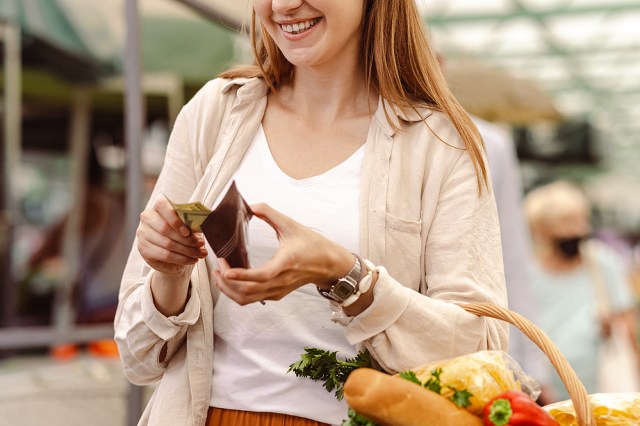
(512, 408)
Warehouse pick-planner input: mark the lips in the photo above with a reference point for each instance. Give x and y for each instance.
(299, 27)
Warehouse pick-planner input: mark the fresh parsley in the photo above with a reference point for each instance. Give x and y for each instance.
(410, 376)
(356, 419)
(321, 365)
(434, 384)
(462, 398)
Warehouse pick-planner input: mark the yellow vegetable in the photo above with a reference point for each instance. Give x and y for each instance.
(485, 374)
(610, 409)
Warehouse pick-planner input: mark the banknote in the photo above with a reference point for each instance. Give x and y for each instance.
(192, 214)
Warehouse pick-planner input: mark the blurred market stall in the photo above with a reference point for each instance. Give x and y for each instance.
(495, 95)
(65, 65)
(585, 55)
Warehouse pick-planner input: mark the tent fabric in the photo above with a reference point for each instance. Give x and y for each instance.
(50, 41)
(496, 95)
(84, 41)
(174, 39)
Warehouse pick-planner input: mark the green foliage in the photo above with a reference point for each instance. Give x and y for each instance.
(462, 398)
(321, 365)
(411, 376)
(434, 384)
(356, 419)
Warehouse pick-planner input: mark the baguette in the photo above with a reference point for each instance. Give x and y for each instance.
(394, 401)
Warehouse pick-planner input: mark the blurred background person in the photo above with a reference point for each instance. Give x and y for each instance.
(102, 258)
(568, 290)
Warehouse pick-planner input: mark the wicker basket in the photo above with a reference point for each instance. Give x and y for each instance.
(576, 389)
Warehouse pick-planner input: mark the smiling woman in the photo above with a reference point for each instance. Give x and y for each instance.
(330, 27)
(373, 217)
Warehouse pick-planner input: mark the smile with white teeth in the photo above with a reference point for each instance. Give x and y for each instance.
(299, 27)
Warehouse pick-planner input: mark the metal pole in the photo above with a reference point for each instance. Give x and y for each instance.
(134, 113)
(12, 106)
(80, 133)
(134, 110)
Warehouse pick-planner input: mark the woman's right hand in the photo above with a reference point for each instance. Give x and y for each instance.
(165, 243)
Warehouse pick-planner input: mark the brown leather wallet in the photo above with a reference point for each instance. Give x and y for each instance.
(226, 228)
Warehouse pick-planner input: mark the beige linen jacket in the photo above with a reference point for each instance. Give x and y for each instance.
(420, 217)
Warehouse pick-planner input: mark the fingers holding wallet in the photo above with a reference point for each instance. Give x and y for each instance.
(303, 257)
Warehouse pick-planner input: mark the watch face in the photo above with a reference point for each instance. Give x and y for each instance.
(342, 289)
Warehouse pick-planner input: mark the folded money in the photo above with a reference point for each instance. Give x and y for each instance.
(192, 214)
(224, 227)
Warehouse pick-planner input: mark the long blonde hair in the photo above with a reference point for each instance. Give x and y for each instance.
(399, 64)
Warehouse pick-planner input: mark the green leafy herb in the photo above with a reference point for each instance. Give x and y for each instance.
(434, 384)
(356, 419)
(320, 365)
(411, 376)
(462, 398)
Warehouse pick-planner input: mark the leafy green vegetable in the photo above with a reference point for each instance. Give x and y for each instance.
(434, 384)
(462, 398)
(356, 419)
(410, 376)
(320, 365)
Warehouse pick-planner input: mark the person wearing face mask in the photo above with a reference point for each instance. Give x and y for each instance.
(374, 218)
(572, 276)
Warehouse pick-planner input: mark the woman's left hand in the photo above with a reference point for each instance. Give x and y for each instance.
(304, 256)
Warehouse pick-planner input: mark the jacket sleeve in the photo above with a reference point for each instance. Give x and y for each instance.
(147, 339)
(404, 328)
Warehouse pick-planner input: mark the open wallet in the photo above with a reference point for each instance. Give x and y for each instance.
(225, 227)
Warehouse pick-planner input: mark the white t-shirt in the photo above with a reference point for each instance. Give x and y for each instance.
(255, 344)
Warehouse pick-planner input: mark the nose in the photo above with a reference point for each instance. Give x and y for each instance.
(285, 7)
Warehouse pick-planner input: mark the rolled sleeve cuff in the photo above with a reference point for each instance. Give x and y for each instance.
(163, 326)
(390, 300)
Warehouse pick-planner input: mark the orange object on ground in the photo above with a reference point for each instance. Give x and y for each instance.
(103, 348)
(63, 351)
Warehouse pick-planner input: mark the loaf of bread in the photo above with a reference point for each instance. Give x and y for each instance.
(394, 401)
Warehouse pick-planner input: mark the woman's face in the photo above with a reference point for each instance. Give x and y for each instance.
(313, 32)
(565, 232)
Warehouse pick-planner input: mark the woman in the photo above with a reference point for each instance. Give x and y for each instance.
(581, 286)
(345, 139)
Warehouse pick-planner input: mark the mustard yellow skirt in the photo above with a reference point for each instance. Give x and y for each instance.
(225, 417)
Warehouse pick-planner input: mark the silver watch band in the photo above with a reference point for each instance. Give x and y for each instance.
(347, 285)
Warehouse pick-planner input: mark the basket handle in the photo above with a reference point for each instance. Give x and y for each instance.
(576, 389)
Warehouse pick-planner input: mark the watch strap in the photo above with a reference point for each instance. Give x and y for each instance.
(363, 285)
(339, 291)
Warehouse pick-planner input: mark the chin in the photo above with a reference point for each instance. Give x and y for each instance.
(300, 60)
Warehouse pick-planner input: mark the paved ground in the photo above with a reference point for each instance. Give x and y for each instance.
(83, 391)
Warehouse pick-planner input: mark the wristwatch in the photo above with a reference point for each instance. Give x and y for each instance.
(347, 285)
